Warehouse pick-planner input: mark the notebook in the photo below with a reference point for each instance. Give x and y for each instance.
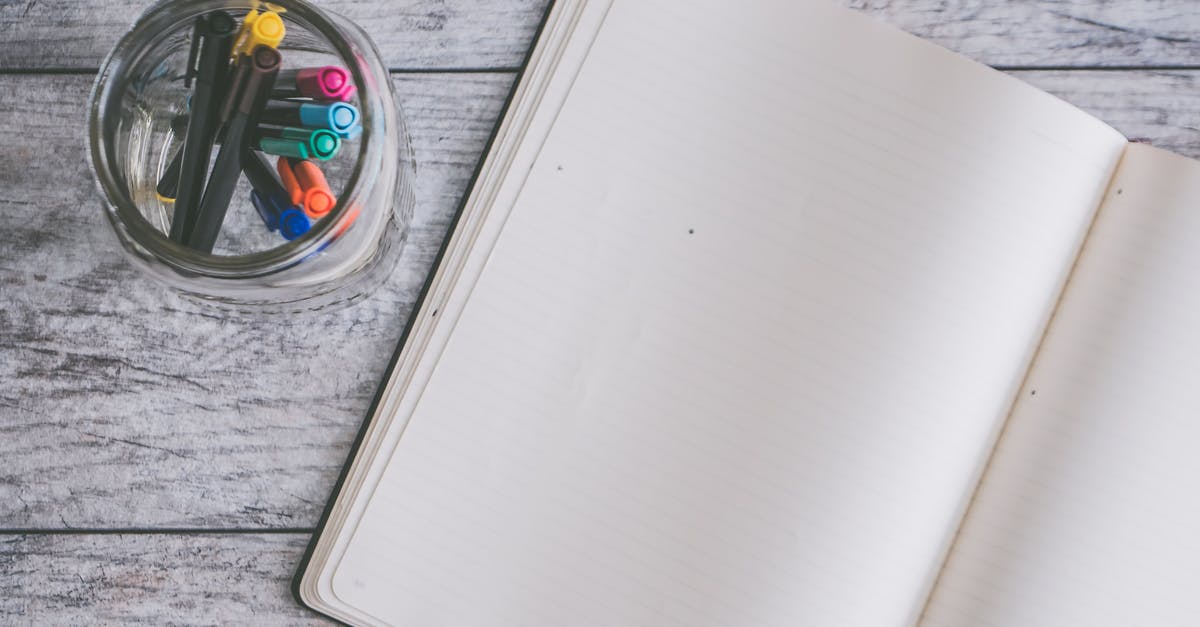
(768, 314)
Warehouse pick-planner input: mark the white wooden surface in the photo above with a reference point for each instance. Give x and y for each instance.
(161, 463)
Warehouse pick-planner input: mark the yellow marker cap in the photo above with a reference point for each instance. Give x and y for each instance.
(264, 29)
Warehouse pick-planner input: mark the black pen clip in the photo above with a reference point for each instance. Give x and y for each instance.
(194, 53)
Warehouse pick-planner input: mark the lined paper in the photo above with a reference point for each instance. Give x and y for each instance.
(744, 341)
(1089, 513)
(570, 28)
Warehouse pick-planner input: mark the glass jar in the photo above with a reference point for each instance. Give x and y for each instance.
(139, 96)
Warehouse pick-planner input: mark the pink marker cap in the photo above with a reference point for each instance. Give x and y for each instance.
(329, 82)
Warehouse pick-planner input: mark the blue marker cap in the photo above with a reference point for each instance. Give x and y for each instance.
(293, 223)
(279, 215)
(338, 117)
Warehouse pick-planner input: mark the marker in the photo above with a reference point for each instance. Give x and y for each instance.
(290, 221)
(258, 74)
(179, 123)
(323, 83)
(271, 200)
(307, 186)
(339, 117)
(168, 184)
(259, 29)
(208, 63)
(298, 143)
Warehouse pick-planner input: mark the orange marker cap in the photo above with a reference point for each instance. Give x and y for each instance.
(318, 198)
(288, 178)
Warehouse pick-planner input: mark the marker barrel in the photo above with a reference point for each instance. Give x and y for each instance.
(168, 183)
(261, 68)
(297, 143)
(208, 64)
(339, 117)
(262, 176)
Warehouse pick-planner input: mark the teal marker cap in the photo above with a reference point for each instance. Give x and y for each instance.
(324, 144)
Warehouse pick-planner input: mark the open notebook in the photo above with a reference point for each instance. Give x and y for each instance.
(767, 314)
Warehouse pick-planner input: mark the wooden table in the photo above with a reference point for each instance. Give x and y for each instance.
(162, 463)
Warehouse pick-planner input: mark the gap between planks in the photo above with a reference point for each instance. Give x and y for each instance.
(70, 71)
(83, 71)
(158, 531)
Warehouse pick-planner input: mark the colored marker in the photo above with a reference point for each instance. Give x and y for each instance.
(323, 83)
(259, 70)
(212, 41)
(298, 143)
(259, 29)
(339, 117)
(289, 221)
(307, 186)
(271, 200)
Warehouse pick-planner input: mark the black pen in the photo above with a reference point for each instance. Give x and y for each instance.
(208, 63)
(168, 183)
(256, 76)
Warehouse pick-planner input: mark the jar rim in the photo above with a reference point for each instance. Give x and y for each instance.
(112, 80)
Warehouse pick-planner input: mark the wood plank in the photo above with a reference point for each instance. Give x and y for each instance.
(1052, 33)
(152, 579)
(1159, 107)
(496, 33)
(408, 33)
(124, 404)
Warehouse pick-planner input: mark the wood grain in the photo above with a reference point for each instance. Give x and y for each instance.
(420, 34)
(152, 579)
(1052, 33)
(125, 405)
(435, 34)
(1158, 107)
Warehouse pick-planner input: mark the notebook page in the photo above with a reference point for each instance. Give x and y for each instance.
(1088, 515)
(744, 338)
(536, 99)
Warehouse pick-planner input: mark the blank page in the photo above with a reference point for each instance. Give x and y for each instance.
(1089, 512)
(745, 339)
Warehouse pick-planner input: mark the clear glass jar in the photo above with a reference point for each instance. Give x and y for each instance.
(138, 94)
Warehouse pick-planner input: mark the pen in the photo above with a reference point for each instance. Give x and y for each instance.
(168, 184)
(323, 83)
(271, 200)
(208, 63)
(257, 73)
(299, 143)
(339, 117)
